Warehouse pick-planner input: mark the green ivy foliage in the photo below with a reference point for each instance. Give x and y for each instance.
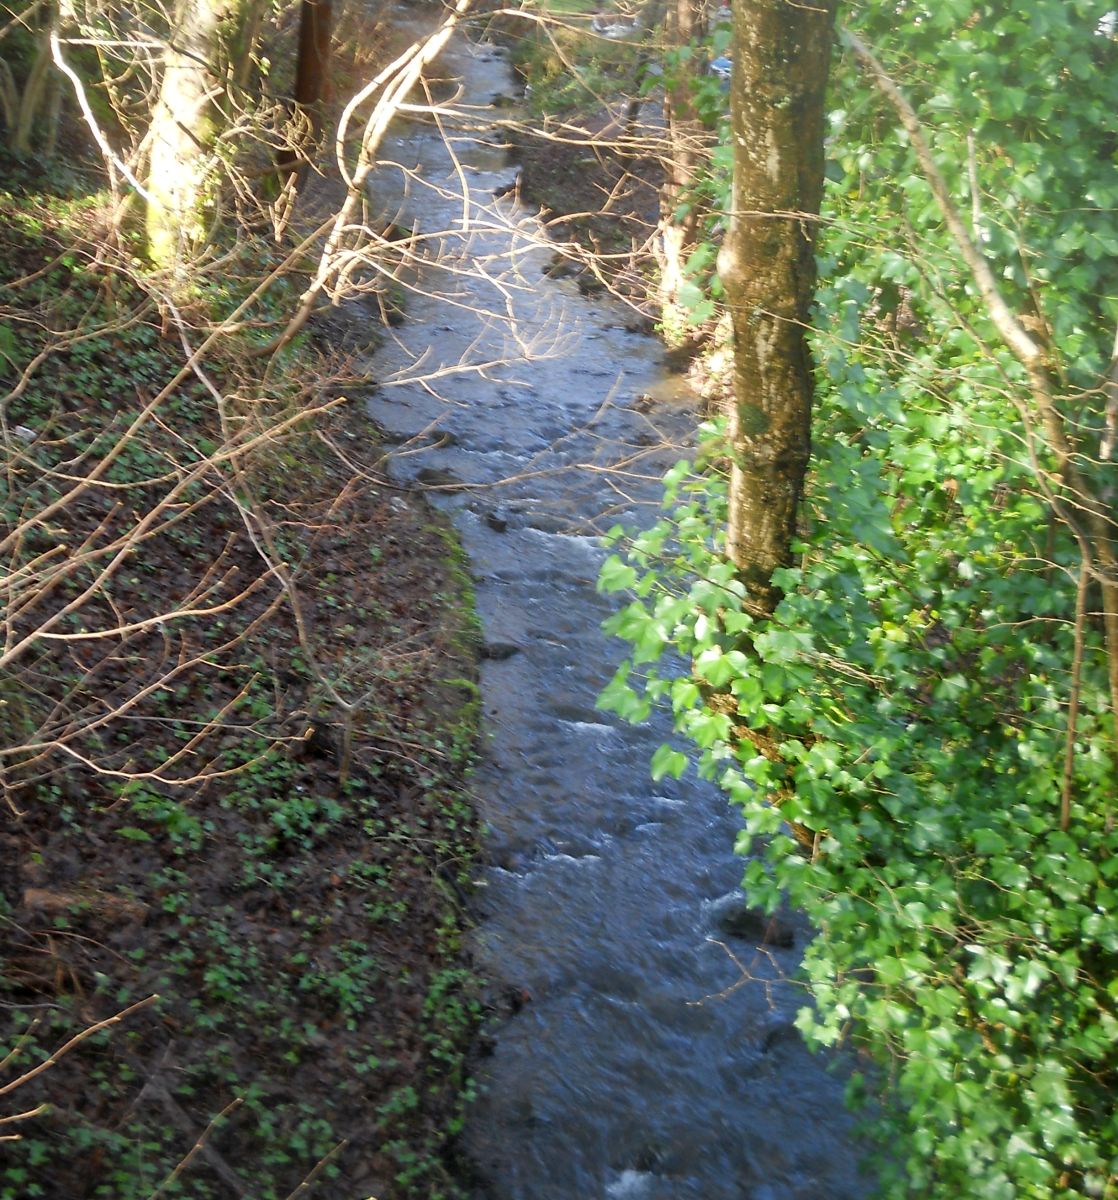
(908, 704)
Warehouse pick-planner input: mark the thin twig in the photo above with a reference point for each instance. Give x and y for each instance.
(23, 1116)
(317, 1170)
(194, 1150)
(74, 1041)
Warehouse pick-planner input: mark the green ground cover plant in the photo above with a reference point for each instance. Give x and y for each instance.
(233, 767)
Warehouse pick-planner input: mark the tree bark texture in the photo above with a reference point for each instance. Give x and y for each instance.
(782, 52)
(25, 129)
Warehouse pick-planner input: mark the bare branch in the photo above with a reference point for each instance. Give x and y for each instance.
(198, 1147)
(65, 1049)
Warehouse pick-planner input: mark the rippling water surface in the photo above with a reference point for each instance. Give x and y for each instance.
(642, 1064)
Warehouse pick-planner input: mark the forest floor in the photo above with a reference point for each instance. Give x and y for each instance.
(281, 914)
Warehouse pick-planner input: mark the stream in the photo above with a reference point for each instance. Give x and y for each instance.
(642, 1062)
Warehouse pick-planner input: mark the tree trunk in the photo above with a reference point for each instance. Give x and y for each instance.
(30, 109)
(767, 266)
(242, 46)
(311, 71)
(182, 129)
(648, 20)
(314, 52)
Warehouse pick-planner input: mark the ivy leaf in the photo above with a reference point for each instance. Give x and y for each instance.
(616, 575)
(667, 761)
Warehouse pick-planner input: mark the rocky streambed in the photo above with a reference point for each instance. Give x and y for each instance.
(651, 1053)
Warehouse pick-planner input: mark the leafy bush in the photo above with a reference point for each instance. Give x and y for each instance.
(921, 737)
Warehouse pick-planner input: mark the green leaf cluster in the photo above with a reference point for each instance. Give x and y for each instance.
(907, 707)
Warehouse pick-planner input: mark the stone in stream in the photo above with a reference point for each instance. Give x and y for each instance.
(496, 521)
(678, 358)
(784, 1034)
(498, 651)
(439, 477)
(735, 918)
(545, 522)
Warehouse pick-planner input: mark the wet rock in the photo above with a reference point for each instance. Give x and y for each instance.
(785, 1034)
(504, 858)
(550, 522)
(496, 521)
(642, 325)
(439, 477)
(735, 918)
(576, 713)
(516, 996)
(649, 1158)
(678, 358)
(498, 651)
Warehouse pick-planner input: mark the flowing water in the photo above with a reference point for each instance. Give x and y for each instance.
(642, 1062)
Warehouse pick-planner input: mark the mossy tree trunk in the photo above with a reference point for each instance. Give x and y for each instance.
(181, 163)
(30, 107)
(781, 59)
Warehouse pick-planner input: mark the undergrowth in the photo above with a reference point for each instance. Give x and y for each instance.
(179, 820)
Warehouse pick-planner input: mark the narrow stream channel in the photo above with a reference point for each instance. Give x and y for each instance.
(642, 1064)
